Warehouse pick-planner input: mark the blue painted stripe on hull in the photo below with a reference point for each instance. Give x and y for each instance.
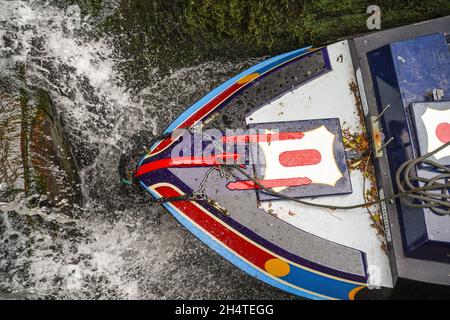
(261, 68)
(299, 277)
(227, 254)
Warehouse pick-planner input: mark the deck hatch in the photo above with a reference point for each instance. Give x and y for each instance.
(308, 166)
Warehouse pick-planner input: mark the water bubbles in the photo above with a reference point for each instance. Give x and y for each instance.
(73, 20)
(110, 247)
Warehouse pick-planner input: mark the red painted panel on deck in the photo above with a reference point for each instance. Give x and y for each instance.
(297, 158)
(443, 132)
(230, 239)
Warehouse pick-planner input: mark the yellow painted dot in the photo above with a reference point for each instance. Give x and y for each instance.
(248, 78)
(352, 294)
(277, 267)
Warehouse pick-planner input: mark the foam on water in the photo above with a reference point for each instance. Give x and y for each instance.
(112, 247)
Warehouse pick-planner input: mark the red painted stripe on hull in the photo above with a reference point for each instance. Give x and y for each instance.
(297, 158)
(202, 112)
(268, 137)
(241, 246)
(185, 162)
(273, 183)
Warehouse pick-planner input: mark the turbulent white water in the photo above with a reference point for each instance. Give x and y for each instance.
(112, 247)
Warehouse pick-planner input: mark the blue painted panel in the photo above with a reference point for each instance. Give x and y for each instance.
(422, 64)
(405, 72)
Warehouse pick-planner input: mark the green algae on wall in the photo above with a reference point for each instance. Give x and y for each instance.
(51, 168)
(36, 158)
(11, 170)
(280, 25)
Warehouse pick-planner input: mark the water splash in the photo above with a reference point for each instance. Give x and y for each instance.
(114, 248)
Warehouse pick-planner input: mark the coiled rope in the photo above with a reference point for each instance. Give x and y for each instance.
(426, 196)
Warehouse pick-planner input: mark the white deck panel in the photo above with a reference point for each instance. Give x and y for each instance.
(329, 96)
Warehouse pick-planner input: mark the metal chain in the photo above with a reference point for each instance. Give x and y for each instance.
(200, 192)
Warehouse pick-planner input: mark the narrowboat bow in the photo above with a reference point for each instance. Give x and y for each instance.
(285, 168)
